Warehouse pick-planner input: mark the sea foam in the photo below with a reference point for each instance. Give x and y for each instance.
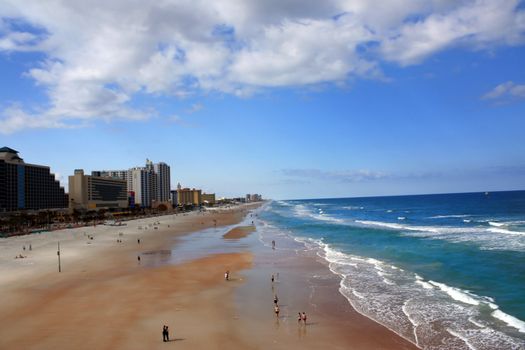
(378, 303)
(510, 320)
(456, 293)
(302, 210)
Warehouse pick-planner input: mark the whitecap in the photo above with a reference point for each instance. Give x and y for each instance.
(504, 231)
(399, 226)
(497, 224)
(424, 284)
(456, 293)
(350, 207)
(449, 216)
(301, 210)
(510, 320)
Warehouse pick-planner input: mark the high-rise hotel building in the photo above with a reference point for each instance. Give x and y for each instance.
(115, 174)
(140, 181)
(163, 182)
(148, 184)
(27, 186)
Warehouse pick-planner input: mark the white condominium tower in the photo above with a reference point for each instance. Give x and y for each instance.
(140, 181)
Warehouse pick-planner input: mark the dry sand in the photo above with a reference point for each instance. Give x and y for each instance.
(106, 299)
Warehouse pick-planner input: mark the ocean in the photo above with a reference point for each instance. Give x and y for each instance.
(444, 271)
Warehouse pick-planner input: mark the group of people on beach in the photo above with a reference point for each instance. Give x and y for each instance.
(20, 256)
(301, 317)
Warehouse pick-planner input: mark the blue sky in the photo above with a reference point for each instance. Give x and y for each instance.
(288, 101)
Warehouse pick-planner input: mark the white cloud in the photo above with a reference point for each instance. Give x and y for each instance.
(195, 108)
(477, 24)
(174, 119)
(354, 175)
(340, 176)
(302, 52)
(100, 54)
(506, 90)
(13, 118)
(16, 41)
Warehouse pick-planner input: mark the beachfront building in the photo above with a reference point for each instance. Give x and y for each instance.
(27, 186)
(94, 192)
(187, 196)
(253, 198)
(208, 199)
(149, 185)
(141, 182)
(163, 183)
(173, 197)
(115, 174)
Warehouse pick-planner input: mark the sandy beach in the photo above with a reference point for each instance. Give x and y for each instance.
(106, 298)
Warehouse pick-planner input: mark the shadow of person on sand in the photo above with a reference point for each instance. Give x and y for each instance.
(176, 339)
(234, 279)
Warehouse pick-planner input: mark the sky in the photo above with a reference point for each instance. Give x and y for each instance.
(287, 98)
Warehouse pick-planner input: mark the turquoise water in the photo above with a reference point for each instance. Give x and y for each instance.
(444, 271)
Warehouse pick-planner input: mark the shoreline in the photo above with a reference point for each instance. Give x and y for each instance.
(304, 283)
(116, 302)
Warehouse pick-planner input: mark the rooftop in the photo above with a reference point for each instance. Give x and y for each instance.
(8, 150)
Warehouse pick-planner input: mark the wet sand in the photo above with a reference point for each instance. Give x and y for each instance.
(106, 299)
(239, 232)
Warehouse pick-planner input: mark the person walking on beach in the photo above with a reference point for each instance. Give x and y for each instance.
(273, 244)
(273, 278)
(165, 334)
(138, 240)
(276, 309)
(275, 299)
(303, 316)
(227, 275)
(299, 317)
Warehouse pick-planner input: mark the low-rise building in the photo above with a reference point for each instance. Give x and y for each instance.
(208, 199)
(93, 193)
(187, 196)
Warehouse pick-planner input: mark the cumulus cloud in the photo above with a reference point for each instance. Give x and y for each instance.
(477, 24)
(507, 90)
(99, 54)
